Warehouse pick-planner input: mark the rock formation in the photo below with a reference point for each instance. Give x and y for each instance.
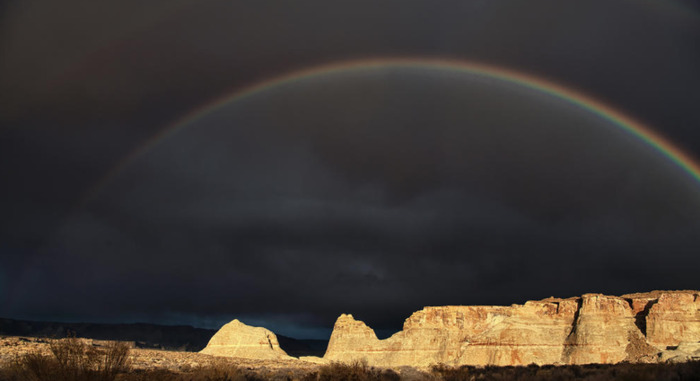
(673, 318)
(593, 328)
(236, 339)
(681, 353)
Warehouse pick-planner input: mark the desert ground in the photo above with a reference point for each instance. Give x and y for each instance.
(165, 365)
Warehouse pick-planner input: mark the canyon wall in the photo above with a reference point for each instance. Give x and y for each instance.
(593, 328)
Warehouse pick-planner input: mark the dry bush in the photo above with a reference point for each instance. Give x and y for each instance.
(448, 373)
(71, 359)
(356, 371)
(151, 375)
(217, 371)
(592, 372)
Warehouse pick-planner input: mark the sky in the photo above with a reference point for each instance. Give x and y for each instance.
(143, 180)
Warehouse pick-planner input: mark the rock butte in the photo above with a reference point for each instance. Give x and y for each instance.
(593, 328)
(236, 339)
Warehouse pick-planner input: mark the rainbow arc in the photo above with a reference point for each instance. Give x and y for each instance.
(617, 118)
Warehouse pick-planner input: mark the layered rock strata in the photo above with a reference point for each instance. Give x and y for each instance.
(673, 318)
(593, 328)
(236, 339)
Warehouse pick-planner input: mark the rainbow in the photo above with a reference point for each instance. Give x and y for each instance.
(541, 85)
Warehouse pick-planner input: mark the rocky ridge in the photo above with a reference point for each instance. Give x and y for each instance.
(593, 328)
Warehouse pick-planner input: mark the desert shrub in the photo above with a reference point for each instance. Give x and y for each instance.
(356, 371)
(151, 375)
(448, 373)
(114, 360)
(217, 371)
(71, 359)
(689, 371)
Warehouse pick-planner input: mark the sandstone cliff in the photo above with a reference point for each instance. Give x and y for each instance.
(236, 339)
(593, 328)
(673, 318)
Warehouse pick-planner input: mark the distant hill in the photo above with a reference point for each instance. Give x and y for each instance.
(178, 338)
(182, 338)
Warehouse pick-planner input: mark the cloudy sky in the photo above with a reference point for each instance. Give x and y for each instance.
(373, 191)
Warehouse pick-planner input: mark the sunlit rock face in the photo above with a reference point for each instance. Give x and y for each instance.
(674, 318)
(456, 335)
(236, 339)
(593, 328)
(352, 340)
(521, 334)
(603, 331)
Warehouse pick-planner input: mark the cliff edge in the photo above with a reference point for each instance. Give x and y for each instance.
(593, 328)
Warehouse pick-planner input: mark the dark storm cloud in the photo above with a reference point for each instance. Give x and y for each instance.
(258, 209)
(373, 195)
(132, 51)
